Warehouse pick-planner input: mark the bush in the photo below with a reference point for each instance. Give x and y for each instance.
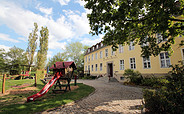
(134, 76)
(170, 98)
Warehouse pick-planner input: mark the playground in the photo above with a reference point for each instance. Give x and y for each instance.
(23, 96)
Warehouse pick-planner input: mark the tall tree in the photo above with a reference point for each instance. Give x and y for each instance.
(124, 21)
(17, 57)
(56, 58)
(3, 62)
(42, 52)
(32, 44)
(75, 51)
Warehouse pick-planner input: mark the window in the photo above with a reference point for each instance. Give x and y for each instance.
(112, 52)
(146, 62)
(132, 63)
(88, 58)
(88, 67)
(131, 46)
(96, 66)
(91, 67)
(164, 60)
(121, 64)
(182, 53)
(106, 52)
(100, 54)
(92, 57)
(93, 48)
(100, 66)
(101, 44)
(96, 55)
(85, 68)
(96, 46)
(120, 48)
(88, 50)
(145, 42)
(159, 37)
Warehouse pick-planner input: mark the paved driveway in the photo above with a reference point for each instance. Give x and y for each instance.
(108, 98)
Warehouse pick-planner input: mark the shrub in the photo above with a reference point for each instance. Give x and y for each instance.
(170, 98)
(134, 76)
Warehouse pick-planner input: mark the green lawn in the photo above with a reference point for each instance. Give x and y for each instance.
(17, 103)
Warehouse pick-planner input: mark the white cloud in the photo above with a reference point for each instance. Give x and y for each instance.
(23, 39)
(63, 2)
(5, 47)
(46, 11)
(49, 54)
(82, 3)
(6, 37)
(90, 42)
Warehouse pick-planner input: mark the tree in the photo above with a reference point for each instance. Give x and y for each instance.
(32, 44)
(3, 62)
(75, 51)
(123, 21)
(16, 57)
(42, 52)
(56, 58)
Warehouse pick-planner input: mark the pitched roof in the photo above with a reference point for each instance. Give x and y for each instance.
(62, 65)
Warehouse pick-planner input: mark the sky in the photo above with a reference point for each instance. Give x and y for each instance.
(66, 21)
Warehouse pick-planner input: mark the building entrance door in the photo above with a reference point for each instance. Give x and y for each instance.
(110, 69)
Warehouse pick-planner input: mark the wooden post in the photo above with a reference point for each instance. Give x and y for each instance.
(75, 80)
(3, 86)
(35, 80)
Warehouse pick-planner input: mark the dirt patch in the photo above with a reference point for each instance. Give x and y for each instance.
(23, 91)
(21, 86)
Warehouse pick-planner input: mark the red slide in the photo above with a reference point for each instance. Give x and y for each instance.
(46, 88)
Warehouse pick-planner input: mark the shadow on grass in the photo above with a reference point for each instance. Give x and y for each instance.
(50, 100)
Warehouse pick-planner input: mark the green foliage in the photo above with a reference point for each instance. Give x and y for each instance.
(58, 57)
(42, 52)
(40, 74)
(89, 77)
(32, 44)
(123, 21)
(16, 57)
(3, 65)
(170, 98)
(134, 76)
(75, 51)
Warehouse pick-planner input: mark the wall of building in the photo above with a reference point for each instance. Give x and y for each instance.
(126, 55)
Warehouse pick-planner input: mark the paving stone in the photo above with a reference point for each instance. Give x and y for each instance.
(109, 98)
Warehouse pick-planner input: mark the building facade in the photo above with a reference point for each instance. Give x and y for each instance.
(102, 60)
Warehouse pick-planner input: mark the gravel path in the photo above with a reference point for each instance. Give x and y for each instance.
(108, 98)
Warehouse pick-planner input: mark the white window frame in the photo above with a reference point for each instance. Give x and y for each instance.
(93, 48)
(92, 57)
(88, 58)
(131, 46)
(146, 61)
(101, 66)
(132, 63)
(101, 54)
(91, 67)
(121, 64)
(96, 55)
(96, 46)
(96, 67)
(106, 52)
(120, 48)
(85, 68)
(88, 67)
(164, 60)
(112, 52)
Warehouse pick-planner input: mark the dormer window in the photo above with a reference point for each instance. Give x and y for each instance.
(93, 48)
(88, 50)
(96, 46)
(101, 44)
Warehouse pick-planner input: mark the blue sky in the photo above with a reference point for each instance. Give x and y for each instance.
(66, 20)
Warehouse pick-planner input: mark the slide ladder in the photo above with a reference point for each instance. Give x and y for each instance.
(46, 88)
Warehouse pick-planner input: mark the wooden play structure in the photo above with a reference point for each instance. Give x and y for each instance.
(63, 73)
(67, 69)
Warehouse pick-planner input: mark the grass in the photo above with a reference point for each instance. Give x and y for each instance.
(9, 83)
(16, 103)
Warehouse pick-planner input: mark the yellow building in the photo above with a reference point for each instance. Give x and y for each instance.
(102, 60)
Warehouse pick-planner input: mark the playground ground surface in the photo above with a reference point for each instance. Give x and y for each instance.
(17, 91)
